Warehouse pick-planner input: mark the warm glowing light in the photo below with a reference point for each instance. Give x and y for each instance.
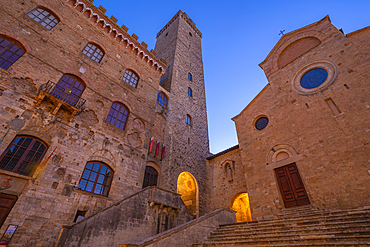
(187, 188)
(242, 208)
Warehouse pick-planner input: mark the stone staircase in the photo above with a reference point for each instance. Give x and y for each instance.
(300, 226)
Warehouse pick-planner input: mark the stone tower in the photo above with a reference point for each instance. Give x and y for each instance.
(179, 42)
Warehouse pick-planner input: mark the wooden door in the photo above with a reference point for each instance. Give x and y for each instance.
(6, 204)
(291, 186)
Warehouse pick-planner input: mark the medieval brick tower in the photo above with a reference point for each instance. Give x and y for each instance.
(179, 42)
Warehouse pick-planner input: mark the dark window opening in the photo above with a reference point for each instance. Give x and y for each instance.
(150, 177)
(190, 92)
(188, 119)
(190, 77)
(80, 215)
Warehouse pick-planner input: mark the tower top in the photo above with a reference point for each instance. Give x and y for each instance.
(186, 18)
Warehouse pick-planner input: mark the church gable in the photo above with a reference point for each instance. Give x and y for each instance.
(296, 43)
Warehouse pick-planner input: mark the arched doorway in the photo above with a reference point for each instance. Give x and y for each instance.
(187, 187)
(240, 204)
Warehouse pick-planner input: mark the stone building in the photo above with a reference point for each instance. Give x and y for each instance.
(92, 121)
(87, 120)
(304, 139)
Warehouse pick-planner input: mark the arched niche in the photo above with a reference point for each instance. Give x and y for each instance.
(187, 187)
(240, 204)
(296, 49)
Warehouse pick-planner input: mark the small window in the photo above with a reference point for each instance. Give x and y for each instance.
(80, 215)
(10, 52)
(117, 115)
(131, 78)
(23, 155)
(261, 123)
(190, 34)
(190, 92)
(190, 77)
(188, 119)
(162, 100)
(96, 178)
(43, 17)
(150, 177)
(93, 52)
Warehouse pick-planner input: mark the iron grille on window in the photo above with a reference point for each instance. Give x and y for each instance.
(118, 115)
(96, 178)
(93, 52)
(9, 53)
(130, 78)
(43, 17)
(150, 177)
(162, 100)
(23, 155)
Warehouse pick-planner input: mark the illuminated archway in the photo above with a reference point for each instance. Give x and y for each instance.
(187, 187)
(240, 204)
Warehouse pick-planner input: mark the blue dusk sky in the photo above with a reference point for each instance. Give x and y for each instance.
(237, 36)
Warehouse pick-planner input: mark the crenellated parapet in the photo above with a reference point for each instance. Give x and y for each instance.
(109, 26)
(186, 18)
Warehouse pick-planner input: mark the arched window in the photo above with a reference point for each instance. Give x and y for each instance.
(44, 17)
(93, 52)
(190, 77)
(96, 178)
(10, 52)
(188, 119)
(162, 99)
(131, 78)
(69, 89)
(23, 155)
(117, 115)
(150, 177)
(190, 92)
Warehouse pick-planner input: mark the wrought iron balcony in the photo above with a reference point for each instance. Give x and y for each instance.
(61, 96)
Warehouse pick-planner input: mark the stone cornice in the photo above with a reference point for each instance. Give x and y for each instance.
(120, 34)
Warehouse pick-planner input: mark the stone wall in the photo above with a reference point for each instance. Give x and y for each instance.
(49, 197)
(227, 177)
(192, 232)
(130, 220)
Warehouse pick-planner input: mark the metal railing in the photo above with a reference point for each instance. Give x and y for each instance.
(64, 94)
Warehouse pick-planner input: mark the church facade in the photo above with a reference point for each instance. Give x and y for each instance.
(90, 118)
(304, 139)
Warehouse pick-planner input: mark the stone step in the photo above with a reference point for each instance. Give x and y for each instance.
(296, 230)
(257, 228)
(301, 220)
(290, 240)
(323, 244)
(277, 235)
